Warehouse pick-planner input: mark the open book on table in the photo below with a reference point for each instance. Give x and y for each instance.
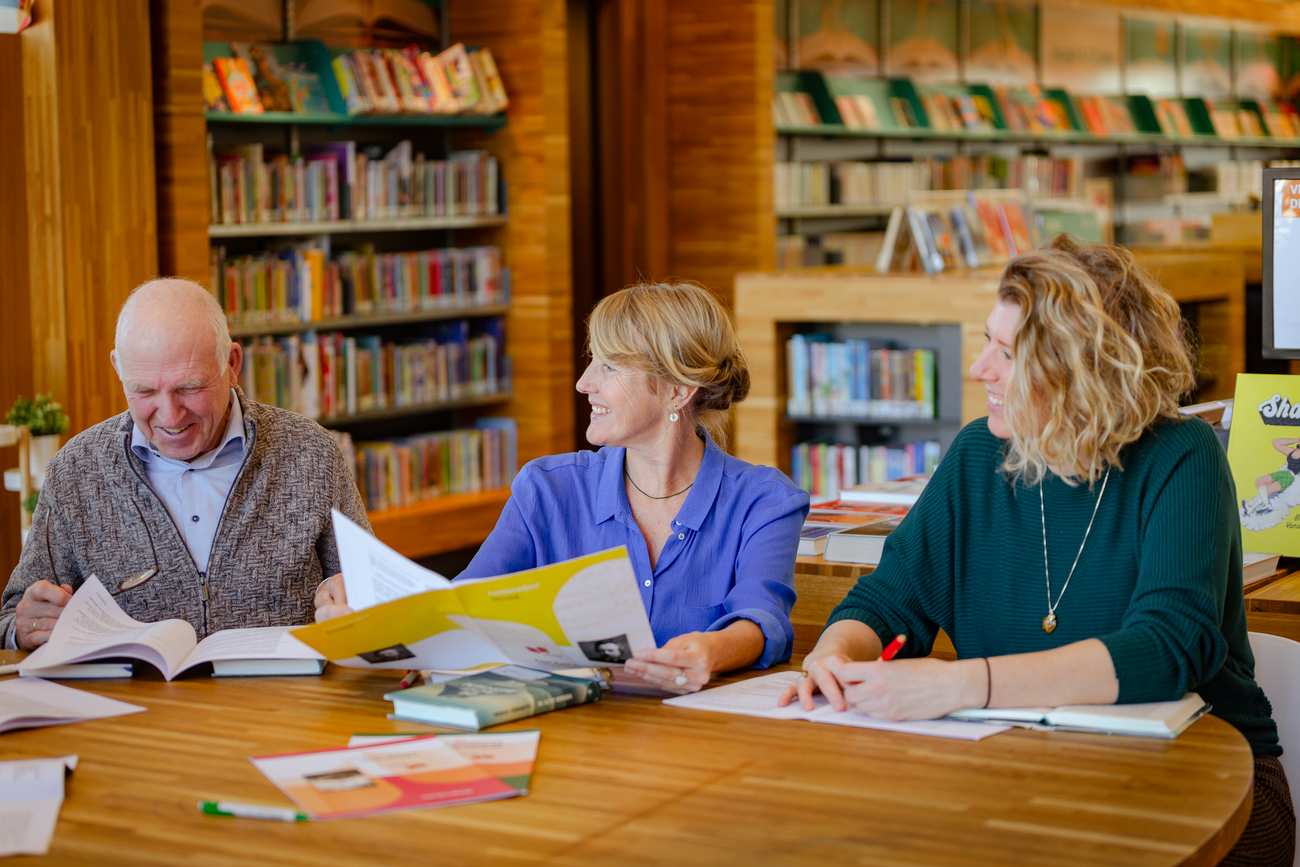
(757, 696)
(94, 627)
(1163, 719)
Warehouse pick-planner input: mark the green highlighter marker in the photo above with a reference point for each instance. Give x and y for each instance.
(251, 811)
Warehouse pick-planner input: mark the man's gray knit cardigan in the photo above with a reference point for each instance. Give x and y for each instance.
(274, 543)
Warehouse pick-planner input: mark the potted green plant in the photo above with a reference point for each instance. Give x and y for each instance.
(45, 419)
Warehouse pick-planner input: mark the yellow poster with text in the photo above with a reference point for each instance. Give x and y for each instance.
(1264, 452)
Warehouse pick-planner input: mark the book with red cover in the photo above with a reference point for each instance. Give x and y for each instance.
(237, 82)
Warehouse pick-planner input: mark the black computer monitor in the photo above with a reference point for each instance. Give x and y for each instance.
(1280, 211)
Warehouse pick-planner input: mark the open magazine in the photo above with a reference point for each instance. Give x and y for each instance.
(581, 612)
(93, 626)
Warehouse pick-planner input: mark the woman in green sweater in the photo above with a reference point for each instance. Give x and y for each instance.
(1079, 545)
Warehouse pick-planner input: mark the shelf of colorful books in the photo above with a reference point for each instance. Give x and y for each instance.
(353, 227)
(368, 320)
(488, 122)
(462, 521)
(395, 412)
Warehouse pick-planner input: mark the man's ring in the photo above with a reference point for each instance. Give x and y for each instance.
(680, 679)
(802, 675)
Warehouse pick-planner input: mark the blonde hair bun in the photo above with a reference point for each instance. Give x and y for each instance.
(679, 333)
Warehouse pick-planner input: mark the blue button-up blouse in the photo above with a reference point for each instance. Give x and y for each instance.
(730, 556)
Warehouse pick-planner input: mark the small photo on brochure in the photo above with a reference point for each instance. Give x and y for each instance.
(343, 780)
(616, 648)
(392, 653)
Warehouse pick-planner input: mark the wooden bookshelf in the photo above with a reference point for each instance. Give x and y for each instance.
(770, 306)
(447, 523)
(368, 320)
(352, 227)
(390, 413)
(283, 118)
(526, 38)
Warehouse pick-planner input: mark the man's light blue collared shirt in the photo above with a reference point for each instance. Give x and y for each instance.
(730, 555)
(195, 492)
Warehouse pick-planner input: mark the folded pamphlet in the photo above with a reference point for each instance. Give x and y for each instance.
(586, 611)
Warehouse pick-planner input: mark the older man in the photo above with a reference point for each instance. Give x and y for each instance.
(227, 499)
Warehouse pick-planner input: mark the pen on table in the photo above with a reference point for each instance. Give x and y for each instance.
(894, 646)
(409, 679)
(251, 811)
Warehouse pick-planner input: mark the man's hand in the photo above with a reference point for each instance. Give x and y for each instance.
(38, 611)
(331, 598)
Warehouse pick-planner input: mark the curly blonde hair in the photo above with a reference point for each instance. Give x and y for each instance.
(1100, 354)
(680, 334)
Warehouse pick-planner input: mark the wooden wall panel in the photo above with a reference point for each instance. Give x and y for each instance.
(89, 132)
(78, 185)
(720, 140)
(527, 38)
(15, 277)
(181, 130)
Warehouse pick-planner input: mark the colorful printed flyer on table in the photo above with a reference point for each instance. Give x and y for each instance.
(1264, 452)
(582, 612)
(430, 771)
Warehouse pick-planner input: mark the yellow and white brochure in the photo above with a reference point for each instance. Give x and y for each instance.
(580, 612)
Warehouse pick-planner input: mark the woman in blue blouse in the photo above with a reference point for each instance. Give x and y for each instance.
(712, 539)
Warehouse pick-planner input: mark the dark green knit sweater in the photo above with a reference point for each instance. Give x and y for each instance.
(1159, 582)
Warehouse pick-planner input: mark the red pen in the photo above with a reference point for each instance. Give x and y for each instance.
(409, 679)
(894, 646)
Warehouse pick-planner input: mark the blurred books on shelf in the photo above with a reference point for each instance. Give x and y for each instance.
(400, 472)
(300, 284)
(332, 375)
(303, 78)
(343, 180)
(854, 379)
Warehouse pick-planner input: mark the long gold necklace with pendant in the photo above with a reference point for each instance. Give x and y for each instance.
(1049, 622)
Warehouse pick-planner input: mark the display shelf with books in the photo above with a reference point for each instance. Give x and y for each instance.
(349, 180)
(866, 401)
(944, 314)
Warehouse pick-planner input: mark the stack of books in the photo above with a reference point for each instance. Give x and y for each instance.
(853, 378)
(298, 284)
(401, 472)
(331, 374)
(489, 698)
(344, 181)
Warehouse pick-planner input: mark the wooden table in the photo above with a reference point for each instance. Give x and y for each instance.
(631, 781)
(819, 585)
(1274, 607)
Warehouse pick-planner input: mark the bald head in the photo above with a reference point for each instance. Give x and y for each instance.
(173, 353)
(171, 309)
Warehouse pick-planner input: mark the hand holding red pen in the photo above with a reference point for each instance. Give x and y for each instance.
(818, 675)
(910, 689)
